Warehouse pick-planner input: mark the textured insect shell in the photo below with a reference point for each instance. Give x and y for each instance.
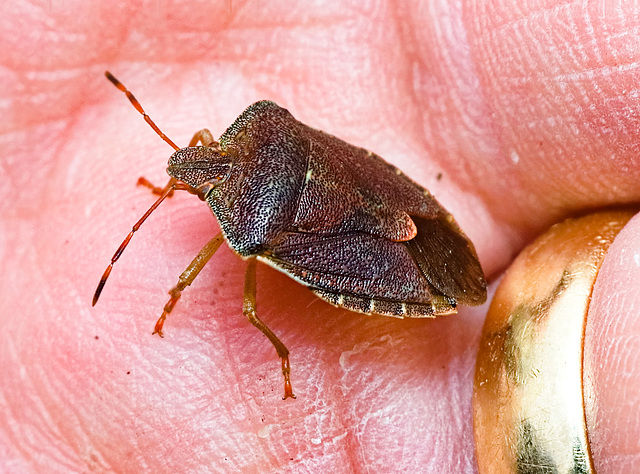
(333, 216)
(287, 174)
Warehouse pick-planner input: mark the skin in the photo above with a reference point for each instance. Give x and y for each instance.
(530, 116)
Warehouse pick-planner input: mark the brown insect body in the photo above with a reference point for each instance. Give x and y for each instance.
(335, 217)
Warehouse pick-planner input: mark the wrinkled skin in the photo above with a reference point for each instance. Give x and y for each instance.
(530, 116)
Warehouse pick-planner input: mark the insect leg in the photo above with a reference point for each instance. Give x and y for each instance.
(142, 181)
(249, 310)
(187, 277)
(203, 136)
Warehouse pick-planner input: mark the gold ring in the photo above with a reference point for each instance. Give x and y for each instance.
(528, 404)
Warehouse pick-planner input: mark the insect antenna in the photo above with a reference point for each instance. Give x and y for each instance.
(139, 108)
(164, 192)
(134, 229)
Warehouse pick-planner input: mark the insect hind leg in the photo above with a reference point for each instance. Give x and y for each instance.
(249, 310)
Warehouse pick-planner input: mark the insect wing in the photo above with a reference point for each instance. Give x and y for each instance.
(355, 264)
(448, 260)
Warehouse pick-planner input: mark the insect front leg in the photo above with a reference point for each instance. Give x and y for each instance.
(187, 277)
(204, 137)
(249, 310)
(142, 181)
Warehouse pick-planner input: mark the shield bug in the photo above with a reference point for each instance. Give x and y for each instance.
(334, 217)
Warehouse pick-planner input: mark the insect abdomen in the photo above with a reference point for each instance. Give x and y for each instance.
(440, 305)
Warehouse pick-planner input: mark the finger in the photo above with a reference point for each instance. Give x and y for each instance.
(559, 86)
(611, 368)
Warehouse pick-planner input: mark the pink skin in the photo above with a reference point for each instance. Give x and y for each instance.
(529, 115)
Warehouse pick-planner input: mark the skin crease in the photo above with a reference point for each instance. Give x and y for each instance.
(530, 112)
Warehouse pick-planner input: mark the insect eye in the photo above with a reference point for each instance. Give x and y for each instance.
(203, 190)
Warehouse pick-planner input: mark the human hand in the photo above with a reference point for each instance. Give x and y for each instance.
(529, 116)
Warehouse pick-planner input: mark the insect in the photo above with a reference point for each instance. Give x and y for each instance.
(334, 217)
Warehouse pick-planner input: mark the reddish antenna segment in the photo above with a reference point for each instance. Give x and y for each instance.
(165, 192)
(139, 108)
(134, 229)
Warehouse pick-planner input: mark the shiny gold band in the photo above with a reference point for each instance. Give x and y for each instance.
(528, 394)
